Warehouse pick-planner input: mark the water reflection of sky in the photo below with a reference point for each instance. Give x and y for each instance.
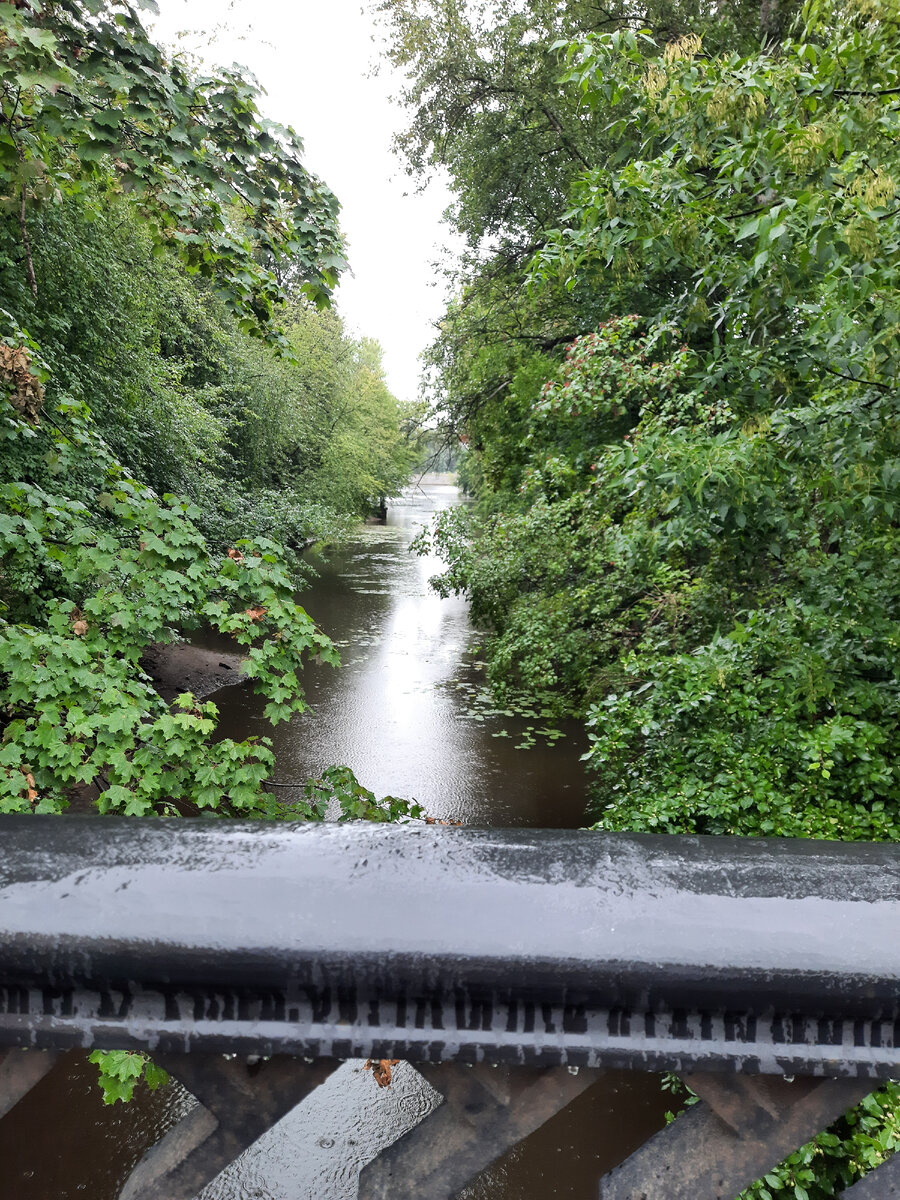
(317, 1151)
(393, 712)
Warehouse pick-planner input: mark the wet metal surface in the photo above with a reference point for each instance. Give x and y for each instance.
(431, 943)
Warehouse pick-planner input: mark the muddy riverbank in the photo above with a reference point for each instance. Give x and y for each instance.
(178, 667)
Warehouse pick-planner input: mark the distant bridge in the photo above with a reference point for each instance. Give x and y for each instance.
(511, 966)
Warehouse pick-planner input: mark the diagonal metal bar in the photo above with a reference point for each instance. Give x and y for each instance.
(237, 1104)
(20, 1070)
(740, 1130)
(881, 1184)
(749, 1105)
(486, 1111)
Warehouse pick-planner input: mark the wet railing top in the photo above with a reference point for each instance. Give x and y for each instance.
(430, 942)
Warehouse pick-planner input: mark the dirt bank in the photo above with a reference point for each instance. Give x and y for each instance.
(180, 667)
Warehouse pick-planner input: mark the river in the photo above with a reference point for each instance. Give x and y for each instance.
(407, 712)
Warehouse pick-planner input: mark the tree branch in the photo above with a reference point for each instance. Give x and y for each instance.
(863, 92)
(881, 387)
(26, 243)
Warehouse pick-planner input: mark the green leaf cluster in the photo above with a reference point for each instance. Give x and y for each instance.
(83, 592)
(122, 1070)
(85, 92)
(834, 1160)
(760, 194)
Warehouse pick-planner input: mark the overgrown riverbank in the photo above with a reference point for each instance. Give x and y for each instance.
(673, 355)
(180, 413)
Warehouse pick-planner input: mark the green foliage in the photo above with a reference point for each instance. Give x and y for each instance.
(764, 189)
(834, 1160)
(338, 794)
(783, 726)
(482, 86)
(84, 92)
(481, 82)
(92, 586)
(91, 581)
(544, 573)
(284, 446)
(122, 1070)
(135, 390)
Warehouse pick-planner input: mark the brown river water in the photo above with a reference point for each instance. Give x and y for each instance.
(403, 713)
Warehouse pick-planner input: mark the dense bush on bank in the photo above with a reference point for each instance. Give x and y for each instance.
(179, 415)
(675, 358)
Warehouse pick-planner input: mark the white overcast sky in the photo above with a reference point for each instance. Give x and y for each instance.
(314, 59)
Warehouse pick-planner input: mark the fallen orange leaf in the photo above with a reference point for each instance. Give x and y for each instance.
(381, 1070)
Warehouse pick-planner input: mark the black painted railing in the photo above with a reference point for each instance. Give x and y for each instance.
(528, 949)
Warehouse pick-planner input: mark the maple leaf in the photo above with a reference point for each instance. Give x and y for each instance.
(255, 614)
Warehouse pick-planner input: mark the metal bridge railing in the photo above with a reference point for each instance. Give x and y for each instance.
(511, 966)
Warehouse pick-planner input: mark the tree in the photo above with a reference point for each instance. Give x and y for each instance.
(488, 107)
(483, 87)
(84, 90)
(766, 186)
(689, 532)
